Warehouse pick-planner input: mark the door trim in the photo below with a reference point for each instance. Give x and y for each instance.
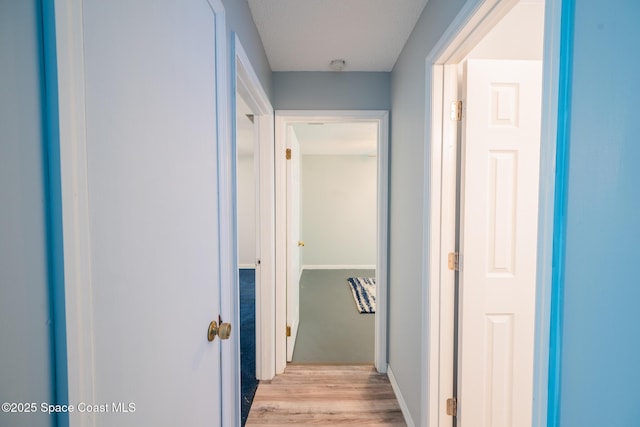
(245, 81)
(470, 25)
(69, 76)
(282, 119)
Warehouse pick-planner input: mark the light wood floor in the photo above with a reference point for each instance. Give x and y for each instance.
(332, 395)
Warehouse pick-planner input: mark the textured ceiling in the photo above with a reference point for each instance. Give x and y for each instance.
(305, 35)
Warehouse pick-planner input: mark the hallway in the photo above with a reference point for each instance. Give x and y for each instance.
(332, 395)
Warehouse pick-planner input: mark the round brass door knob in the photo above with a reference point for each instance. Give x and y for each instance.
(224, 331)
(213, 331)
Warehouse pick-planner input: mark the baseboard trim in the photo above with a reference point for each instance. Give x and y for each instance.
(338, 267)
(247, 266)
(400, 398)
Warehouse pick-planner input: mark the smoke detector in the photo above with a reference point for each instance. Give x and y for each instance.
(338, 64)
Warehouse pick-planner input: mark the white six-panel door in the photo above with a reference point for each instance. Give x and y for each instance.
(499, 215)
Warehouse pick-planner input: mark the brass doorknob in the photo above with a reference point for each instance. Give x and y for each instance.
(213, 331)
(300, 243)
(223, 331)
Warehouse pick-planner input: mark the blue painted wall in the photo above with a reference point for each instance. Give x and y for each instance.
(599, 374)
(408, 101)
(309, 90)
(240, 21)
(26, 315)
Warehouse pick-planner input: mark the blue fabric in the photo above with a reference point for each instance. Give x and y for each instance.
(248, 380)
(364, 293)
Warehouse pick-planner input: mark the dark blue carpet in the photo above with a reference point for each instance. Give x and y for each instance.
(248, 381)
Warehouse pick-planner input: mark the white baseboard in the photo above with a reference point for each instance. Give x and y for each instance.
(249, 266)
(400, 398)
(338, 267)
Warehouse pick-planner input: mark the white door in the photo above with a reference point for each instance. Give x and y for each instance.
(499, 207)
(152, 143)
(293, 240)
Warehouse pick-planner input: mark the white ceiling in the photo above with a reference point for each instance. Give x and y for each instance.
(305, 35)
(359, 138)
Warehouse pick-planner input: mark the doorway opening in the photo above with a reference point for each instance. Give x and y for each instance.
(331, 241)
(247, 214)
(490, 230)
(253, 185)
(320, 258)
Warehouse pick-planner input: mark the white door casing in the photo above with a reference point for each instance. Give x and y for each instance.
(293, 239)
(283, 119)
(142, 213)
(499, 218)
(249, 87)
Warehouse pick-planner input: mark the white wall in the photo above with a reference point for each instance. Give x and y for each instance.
(339, 210)
(246, 212)
(519, 35)
(246, 185)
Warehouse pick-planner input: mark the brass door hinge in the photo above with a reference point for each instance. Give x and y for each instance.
(452, 406)
(454, 261)
(288, 330)
(456, 111)
(288, 155)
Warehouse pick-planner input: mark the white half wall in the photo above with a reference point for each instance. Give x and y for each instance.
(339, 210)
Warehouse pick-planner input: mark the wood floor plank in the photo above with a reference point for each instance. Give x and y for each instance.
(330, 395)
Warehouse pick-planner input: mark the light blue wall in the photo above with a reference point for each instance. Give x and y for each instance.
(599, 373)
(339, 195)
(408, 97)
(308, 90)
(26, 320)
(240, 21)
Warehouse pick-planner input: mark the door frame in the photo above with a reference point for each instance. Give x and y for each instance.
(283, 118)
(66, 112)
(474, 21)
(245, 81)
(67, 107)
